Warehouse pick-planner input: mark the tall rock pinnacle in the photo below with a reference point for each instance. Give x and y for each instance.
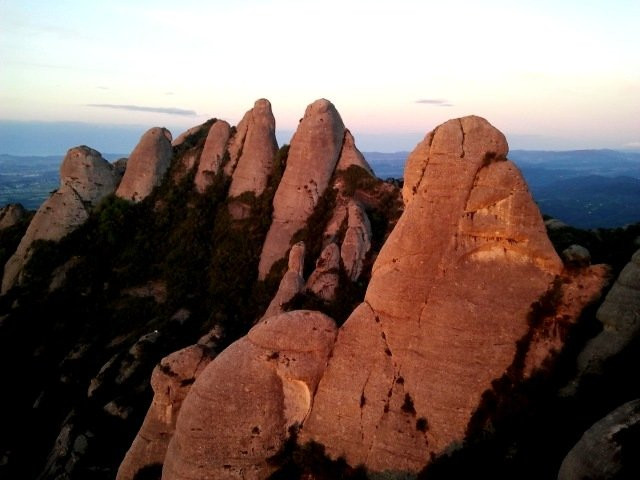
(147, 165)
(446, 305)
(313, 155)
(255, 163)
(85, 179)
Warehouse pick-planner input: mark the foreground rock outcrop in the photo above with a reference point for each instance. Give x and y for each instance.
(240, 408)
(171, 380)
(85, 179)
(147, 165)
(445, 308)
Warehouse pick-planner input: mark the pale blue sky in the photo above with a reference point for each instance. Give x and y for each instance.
(550, 74)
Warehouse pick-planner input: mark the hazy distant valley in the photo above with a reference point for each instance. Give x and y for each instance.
(583, 188)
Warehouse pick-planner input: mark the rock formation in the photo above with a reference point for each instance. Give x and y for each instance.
(11, 214)
(445, 307)
(291, 284)
(313, 155)
(171, 380)
(147, 165)
(85, 178)
(620, 318)
(454, 301)
(255, 163)
(240, 408)
(609, 449)
(325, 279)
(350, 155)
(212, 154)
(357, 241)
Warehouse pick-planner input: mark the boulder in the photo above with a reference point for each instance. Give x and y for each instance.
(325, 279)
(444, 310)
(357, 241)
(291, 284)
(239, 410)
(147, 165)
(212, 154)
(171, 380)
(11, 214)
(85, 179)
(313, 154)
(88, 174)
(576, 256)
(607, 450)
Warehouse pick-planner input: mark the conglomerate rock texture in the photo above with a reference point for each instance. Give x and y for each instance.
(147, 165)
(313, 155)
(448, 300)
(85, 179)
(240, 408)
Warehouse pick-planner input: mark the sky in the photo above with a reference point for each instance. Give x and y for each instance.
(560, 74)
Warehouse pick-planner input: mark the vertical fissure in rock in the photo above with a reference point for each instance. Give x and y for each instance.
(463, 137)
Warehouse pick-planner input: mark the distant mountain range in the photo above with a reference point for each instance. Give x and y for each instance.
(584, 188)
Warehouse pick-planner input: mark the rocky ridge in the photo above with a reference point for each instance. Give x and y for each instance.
(85, 178)
(446, 325)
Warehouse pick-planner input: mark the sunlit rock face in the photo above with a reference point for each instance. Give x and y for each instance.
(240, 408)
(85, 179)
(255, 163)
(147, 165)
(313, 155)
(448, 300)
(212, 155)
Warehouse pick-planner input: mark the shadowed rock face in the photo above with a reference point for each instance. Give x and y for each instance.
(357, 240)
(609, 449)
(313, 155)
(620, 318)
(85, 178)
(238, 411)
(447, 302)
(147, 165)
(11, 214)
(171, 381)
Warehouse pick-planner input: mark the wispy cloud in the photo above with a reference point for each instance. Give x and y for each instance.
(138, 108)
(438, 102)
(102, 87)
(169, 93)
